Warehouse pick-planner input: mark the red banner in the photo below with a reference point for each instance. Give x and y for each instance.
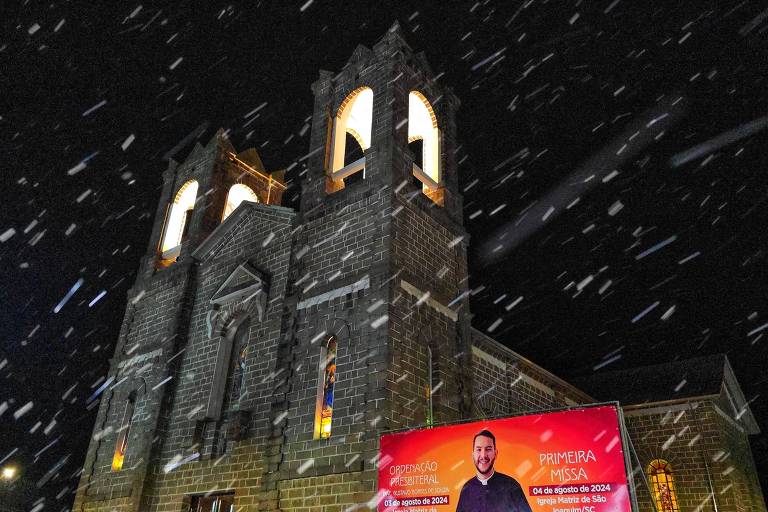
(567, 461)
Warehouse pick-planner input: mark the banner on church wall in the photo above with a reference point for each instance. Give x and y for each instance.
(565, 461)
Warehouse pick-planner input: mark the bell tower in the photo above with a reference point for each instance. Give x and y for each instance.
(201, 192)
(381, 262)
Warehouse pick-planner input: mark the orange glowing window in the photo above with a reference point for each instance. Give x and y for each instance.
(179, 216)
(325, 388)
(236, 195)
(663, 486)
(350, 137)
(424, 142)
(124, 433)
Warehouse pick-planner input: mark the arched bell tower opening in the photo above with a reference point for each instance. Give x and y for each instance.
(424, 142)
(201, 193)
(178, 222)
(349, 139)
(236, 195)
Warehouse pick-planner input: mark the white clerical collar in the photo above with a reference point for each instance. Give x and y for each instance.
(484, 481)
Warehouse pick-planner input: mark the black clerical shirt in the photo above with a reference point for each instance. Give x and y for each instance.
(500, 493)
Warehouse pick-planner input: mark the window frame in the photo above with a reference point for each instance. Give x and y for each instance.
(124, 433)
(176, 220)
(661, 468)
(337, 169)
(253, 195)
(326, 365)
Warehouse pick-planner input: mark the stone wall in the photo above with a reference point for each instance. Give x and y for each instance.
(505, 383)
(708, 452)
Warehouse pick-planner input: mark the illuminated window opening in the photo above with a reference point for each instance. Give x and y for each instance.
(326, 384)
(123, 436)
(663, 486)
(422, 126)
(179, 217)
(354, 118)
(236, 195)
(213, 503)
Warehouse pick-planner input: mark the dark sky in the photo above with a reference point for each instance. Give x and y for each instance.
(555, 97)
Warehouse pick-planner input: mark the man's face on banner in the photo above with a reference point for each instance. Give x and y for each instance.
(484, 454)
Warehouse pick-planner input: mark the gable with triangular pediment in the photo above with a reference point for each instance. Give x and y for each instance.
(243, 284)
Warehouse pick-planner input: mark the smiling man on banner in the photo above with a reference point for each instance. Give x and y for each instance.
(490, 491)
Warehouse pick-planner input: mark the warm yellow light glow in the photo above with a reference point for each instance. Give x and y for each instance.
(354, 117)
(663, 484)
(236, 195)
(422, 125)
(9, 472)
(325, 427)
(256, 173)
(117, 461)
(185, 200)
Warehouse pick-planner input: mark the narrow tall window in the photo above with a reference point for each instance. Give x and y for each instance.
(663, 486)
(428, 389)
(326, 384)
(236, 195)
(422, 126)
(351, 136)
(237, 368)
(124, 433)
(433, 384)
(179, 217)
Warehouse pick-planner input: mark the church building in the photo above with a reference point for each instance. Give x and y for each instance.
(264, 350)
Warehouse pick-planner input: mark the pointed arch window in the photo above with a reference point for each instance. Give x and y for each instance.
(124, 433)
(424, 141)
(433, 383)
(350, 137)
(236, 388)
(663, 486)
(326, 384)
(179, 217)
(236, 195)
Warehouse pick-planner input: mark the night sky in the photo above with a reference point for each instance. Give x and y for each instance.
(659, 259)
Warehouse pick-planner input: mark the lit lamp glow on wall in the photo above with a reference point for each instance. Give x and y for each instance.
(9, 472)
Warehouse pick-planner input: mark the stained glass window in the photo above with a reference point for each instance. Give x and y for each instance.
(327, 381)
(663, 486)
(237, 371)
(123, 436)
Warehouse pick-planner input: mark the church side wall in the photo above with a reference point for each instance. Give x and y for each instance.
(146, 343)
(707, 452)
(507, 384)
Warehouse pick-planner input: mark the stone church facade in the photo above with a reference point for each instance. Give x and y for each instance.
(265, 350)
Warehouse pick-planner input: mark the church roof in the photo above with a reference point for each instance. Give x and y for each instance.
(672, 380)
(696, 378)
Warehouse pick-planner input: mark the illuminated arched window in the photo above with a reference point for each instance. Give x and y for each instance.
(236, 195)
(424, 141)
(124, 433)
(663, 486)
(351, 136)
(177, 226)
(326, 384)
